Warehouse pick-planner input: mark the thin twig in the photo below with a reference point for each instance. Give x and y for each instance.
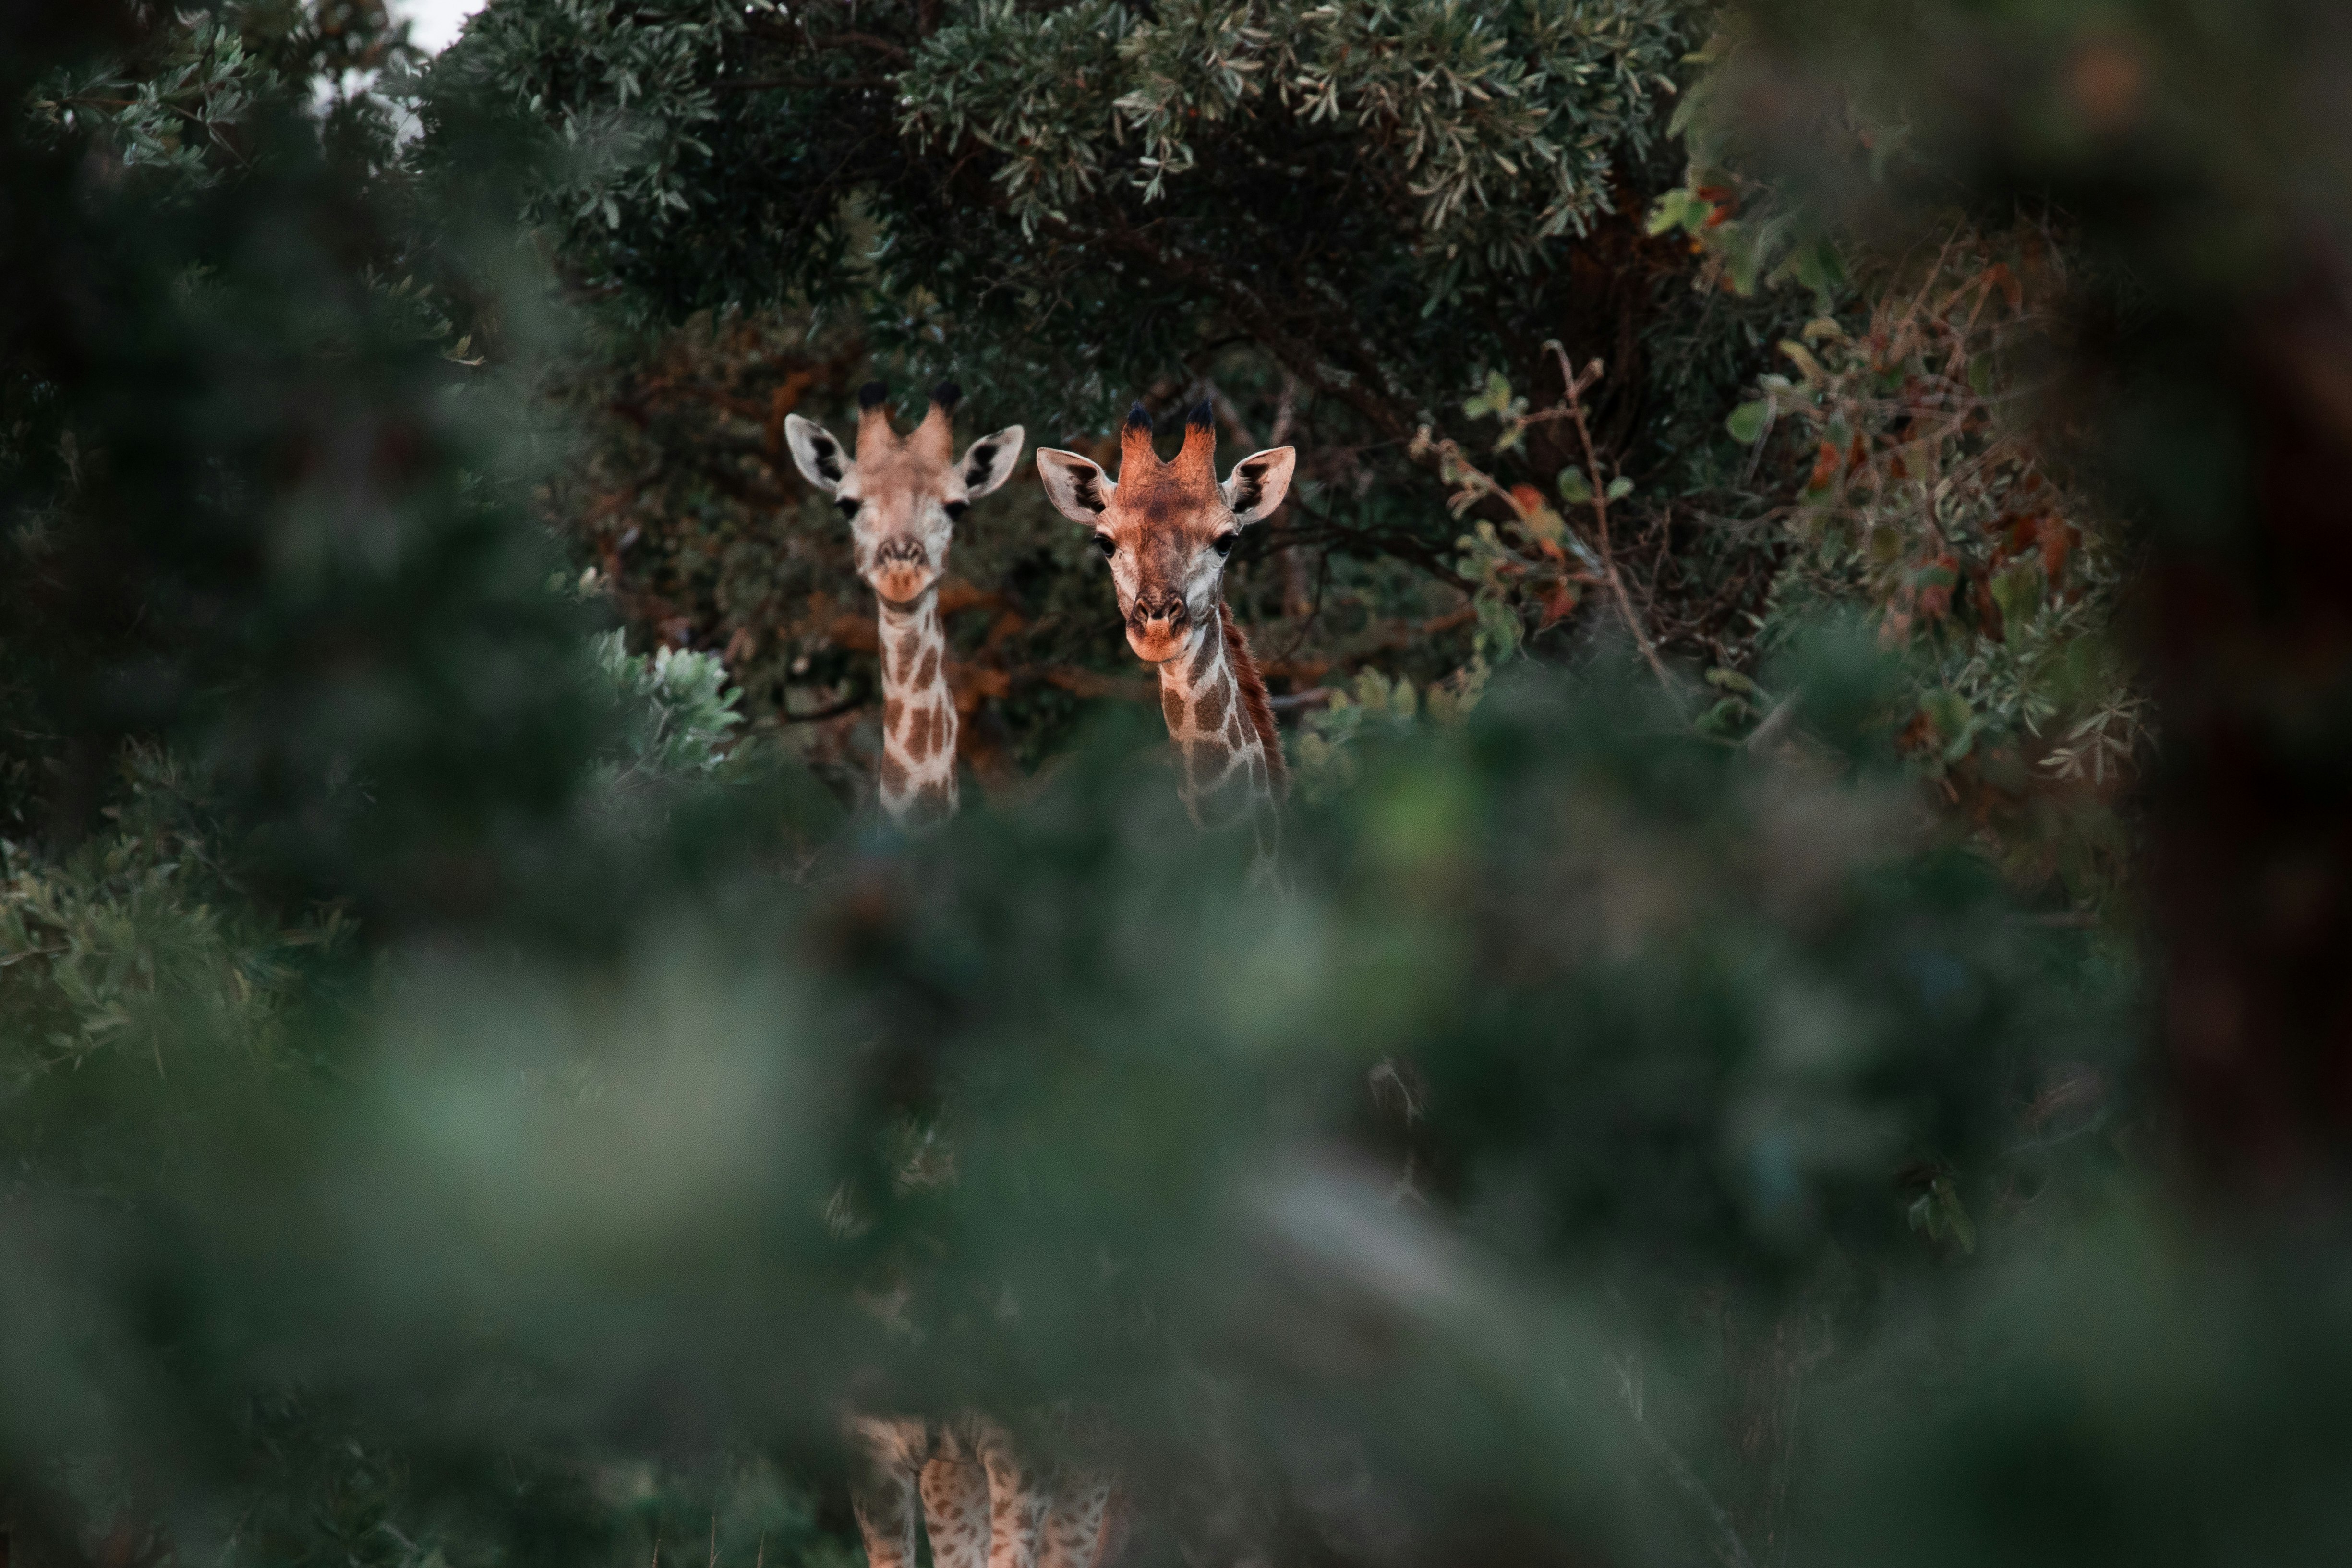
(1728, 1544)
(1576, 385)
(833, 711)
(1776, 723)
(882, 46)
(762, 84)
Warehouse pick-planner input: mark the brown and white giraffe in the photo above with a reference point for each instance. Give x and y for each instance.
(902, 498)
(977, 1503)
(1166, 529)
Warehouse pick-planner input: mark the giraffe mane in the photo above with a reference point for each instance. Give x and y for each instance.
(1254, 702)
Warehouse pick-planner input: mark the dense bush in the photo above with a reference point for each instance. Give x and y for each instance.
(466, 1097)
(1066, 207)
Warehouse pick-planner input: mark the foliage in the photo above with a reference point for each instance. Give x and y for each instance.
(682, 709)
(686, 507)
(1062, 207)
(189, 102)
(1325, 219)
(140, 940)
(1929, 490)
(460, 1097)
(1927, 505)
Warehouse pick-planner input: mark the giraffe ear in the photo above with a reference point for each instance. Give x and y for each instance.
(817, 454)
(990, 461)
(1259, 482)
(1075, 485)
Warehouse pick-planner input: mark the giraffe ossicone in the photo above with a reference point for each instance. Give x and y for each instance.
(1167, 528)
(903, 498)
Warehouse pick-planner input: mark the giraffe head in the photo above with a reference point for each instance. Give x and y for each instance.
(1167, 528)
(902, 497)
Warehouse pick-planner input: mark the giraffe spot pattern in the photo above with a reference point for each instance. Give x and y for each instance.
(1204, 658)
(1212, 709)
(1171, 707)
(890, 708)
(918, 736)
(929, 670)
(894, 777)
(955, 1509)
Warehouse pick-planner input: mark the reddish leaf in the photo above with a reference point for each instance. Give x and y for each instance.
(1558, 601)
(1825, 468)
(2024, 534)
(1989, 615)
(1935, 598)
(2058, 538)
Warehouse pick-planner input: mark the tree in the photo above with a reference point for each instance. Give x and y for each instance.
(1333, 221)
(1065, 207)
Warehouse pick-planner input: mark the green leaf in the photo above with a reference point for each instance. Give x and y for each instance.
(1574, 488)
(1802, 358)
(1746, 421)
(1496, 399)
(1955, 1215)
(2017, 592)
(1955, 722)
(1680, 209)
(1619, 488)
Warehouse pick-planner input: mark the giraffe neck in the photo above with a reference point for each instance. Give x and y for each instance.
(918, 715)
(978, 1502)
(1226, 775)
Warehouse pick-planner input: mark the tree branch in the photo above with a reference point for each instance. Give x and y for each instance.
(766, 83)
(1616, 580)
(1728, 1547)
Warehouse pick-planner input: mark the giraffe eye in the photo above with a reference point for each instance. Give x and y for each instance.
(849, 505)
(1223, 544)
(956, 509)
(1106, 544)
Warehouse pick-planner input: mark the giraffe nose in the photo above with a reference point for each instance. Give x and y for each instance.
(902, 553)
(1167, 606)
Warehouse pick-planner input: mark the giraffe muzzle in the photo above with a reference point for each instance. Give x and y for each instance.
(901, 571)
(1158, 626)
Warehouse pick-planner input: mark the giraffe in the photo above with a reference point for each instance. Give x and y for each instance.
(962, 1481)
(902, 498)
(976, 1503)
(1166, 528)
